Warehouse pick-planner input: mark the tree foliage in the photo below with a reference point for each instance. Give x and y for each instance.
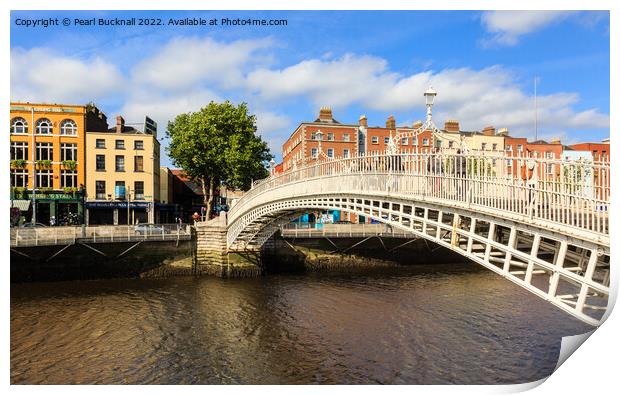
(218, 145)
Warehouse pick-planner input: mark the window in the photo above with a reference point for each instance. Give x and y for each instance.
(346, 137)
(19, 126)
(509, 163)
(508, 147)
(119, 190)
(100, 143)
(100, 189)
(44, 151)
(138, 190)
(414, 141)
(19, 178)
(138, 144)
(120, 144)
(44, 126)
(313, 136)
(519, 147)
(68, 128)
(330, 152)
(549, 155)
(100, 160)
(44, 178)
(120, 163)
(375, 140)
(494, 146)
(549, 168)
(404, 141)
(483, 146)
(330, 136)
(68, 179)
(19, 150)
(138, 163)
(386, 140)
(68, 151)
(450, 144)
(345, 153)
(425, 142)
(314, 152)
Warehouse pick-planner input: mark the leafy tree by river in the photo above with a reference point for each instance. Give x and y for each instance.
(218, 145)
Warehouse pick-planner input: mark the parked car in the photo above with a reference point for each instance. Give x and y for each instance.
(31, 225)
(150, 229)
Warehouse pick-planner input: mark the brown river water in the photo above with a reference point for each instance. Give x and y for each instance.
(432, 324)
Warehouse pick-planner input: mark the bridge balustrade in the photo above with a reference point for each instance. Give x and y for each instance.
(570, 193)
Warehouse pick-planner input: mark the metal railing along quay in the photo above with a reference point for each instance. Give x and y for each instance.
(310, 230)
(63, 235)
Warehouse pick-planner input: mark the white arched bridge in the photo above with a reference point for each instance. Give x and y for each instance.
(541, 223)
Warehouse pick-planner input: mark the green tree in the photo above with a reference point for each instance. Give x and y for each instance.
(218, 145)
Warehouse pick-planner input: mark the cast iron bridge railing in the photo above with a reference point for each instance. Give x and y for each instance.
(542, 223)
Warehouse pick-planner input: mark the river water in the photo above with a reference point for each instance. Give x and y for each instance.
(436, 324)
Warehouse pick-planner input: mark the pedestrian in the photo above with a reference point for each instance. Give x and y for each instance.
(53, 221)
(196, 217)
(461, 173)
(179, 222)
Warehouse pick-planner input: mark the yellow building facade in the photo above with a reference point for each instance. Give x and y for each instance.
(123, 174)
(47, 161)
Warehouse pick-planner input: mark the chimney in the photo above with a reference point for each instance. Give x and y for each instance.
(417, 124)
(120, 124)
(555, 140)
(489, 131)
(363, 121)
(390, 123)
(502, 132)
(325, 115)
(452, 126)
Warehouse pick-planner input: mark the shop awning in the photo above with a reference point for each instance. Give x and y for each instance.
(22, 205)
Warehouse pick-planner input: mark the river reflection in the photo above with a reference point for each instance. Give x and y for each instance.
(435, 324)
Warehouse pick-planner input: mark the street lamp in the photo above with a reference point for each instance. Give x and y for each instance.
(429, 95)
(272, 167)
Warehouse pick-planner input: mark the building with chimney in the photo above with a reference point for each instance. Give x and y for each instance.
(122, 173)
(48, 170)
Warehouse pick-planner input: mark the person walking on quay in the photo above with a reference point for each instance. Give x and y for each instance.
(196, 217)
(53, 221)
(179, 222)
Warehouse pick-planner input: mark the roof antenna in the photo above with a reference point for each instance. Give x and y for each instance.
(535, 110)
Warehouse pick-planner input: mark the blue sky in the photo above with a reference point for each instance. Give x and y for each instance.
(375, 63)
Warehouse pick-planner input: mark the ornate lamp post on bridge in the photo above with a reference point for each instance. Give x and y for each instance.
(429, 97)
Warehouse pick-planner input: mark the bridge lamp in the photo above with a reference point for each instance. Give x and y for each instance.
(429, 95)
(272, 166)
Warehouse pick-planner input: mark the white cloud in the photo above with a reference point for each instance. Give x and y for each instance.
(40, 75)
(185, 62)
(338, 82)
(164, 107)
(507, 27)
(273, 128)
(477, 98)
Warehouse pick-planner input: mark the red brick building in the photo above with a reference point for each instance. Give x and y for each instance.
(600, 151)
(334, 139)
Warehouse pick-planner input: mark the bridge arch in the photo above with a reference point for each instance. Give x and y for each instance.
(551, 239)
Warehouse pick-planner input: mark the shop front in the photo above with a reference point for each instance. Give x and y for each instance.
(50, 208)
(119, 213)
